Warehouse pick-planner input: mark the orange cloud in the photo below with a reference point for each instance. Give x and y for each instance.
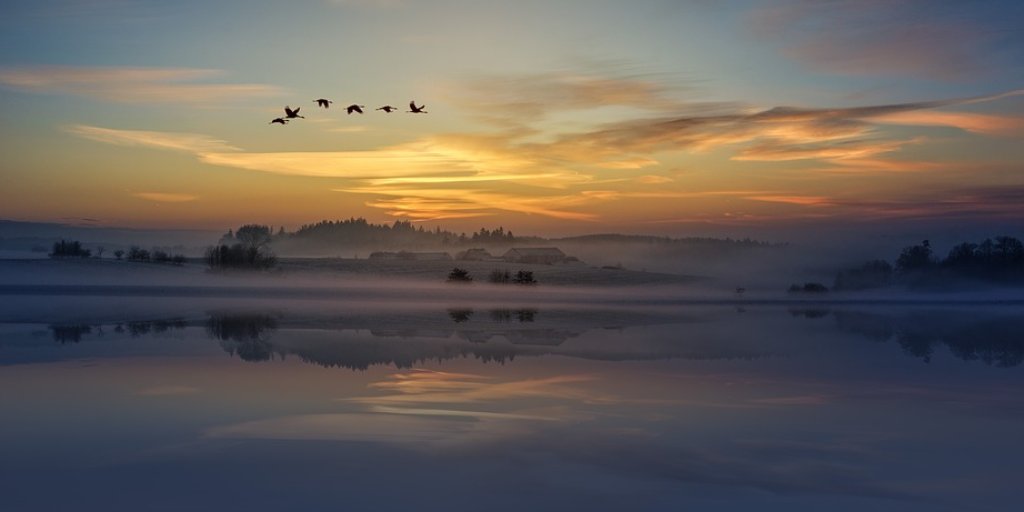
(793, 199)
(165, 197)
(975, 123)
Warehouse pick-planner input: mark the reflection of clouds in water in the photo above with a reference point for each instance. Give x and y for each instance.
(440, 387)
(429, 410)
(565, 418)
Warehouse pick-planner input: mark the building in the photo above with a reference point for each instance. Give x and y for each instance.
(475, 255)
(410, 256)
(543, 255)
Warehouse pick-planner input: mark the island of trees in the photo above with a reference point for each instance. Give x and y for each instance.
(998, 260)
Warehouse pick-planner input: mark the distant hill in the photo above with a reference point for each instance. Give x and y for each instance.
(650, 239)
(357, 234)
(40, 236)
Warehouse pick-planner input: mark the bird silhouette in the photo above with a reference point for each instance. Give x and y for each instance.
(279, 120)
(292, 114)
(388, 108)
(355, 108)
(323, 103)
(415, 109)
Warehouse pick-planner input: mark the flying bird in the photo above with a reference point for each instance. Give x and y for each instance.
(388, 108)
(415, 109)
(279, 120)
(355, 108)
(292, 114)
(323, 103)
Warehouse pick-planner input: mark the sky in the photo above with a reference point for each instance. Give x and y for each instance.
(547, 117)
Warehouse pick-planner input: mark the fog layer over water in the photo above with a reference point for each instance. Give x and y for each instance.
(311, 402)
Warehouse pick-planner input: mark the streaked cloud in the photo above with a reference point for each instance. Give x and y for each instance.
(517, 99)
(653, 179)
(348, 129)
(187, 142)
(575, 175)
(134, 85)
(448, 203)
(911, 37)
(775, 134)
(1002, 126)
(166, 197)
(793, 199)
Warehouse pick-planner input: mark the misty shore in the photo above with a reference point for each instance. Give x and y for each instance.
(423, 282)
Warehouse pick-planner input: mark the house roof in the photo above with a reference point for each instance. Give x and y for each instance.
(535, 251)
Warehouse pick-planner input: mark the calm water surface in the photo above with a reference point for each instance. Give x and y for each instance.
(145, 404)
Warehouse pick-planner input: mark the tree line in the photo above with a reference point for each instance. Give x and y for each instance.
(75, 249)
(999, 259)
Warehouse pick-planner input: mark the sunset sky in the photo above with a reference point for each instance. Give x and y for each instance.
(548, 117)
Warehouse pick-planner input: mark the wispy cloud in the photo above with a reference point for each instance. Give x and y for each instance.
(134, 85)
(571, 175)
(348, 129)
(166, 197)
(1002, 126)
(447, 203)
(518, 99)
(910, 37)
(187, 142)
(793, 199)
(775, 134)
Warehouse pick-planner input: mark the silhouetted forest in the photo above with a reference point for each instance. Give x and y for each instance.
(248, 248)
(69, 249)
(358, 234)
(999, 260)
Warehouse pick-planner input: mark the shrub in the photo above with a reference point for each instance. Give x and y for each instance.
(524, 277)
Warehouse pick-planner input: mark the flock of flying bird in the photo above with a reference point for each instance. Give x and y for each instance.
(290, 113)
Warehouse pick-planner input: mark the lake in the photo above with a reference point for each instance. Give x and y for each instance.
(135, 402)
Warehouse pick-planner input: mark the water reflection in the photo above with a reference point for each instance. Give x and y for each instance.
(503, 334)
(996, 340)
(70, 333)
(246, 335)
(406, 340)
(777, 408)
